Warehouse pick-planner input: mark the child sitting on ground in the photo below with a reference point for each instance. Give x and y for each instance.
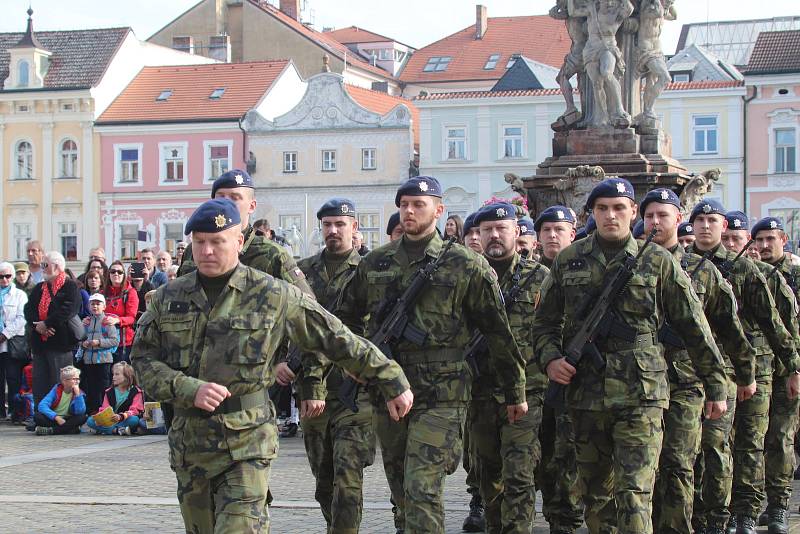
(63, 410)
(125, 398)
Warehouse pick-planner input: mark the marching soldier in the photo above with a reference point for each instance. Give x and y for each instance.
(463, 294)
(685, 234)
(206, 343)
(617, 405)
(508, 453)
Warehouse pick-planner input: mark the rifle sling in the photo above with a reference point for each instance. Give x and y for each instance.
(440, 355)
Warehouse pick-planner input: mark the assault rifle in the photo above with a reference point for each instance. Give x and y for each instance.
(396, 325)
(598, 324)
(726, 267)
(477, 344)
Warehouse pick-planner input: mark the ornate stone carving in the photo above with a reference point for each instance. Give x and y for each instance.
(650, 62)
(516, 183)
(698, 187)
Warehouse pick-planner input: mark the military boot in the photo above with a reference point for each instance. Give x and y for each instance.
(745, 525)
(763, 519)
(778, 522)
(475, 522)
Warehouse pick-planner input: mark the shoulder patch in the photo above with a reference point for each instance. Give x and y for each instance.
(577, 264)
(178, 307)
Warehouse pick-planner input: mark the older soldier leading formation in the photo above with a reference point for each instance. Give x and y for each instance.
(688, 419)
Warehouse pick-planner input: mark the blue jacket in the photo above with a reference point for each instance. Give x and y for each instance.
(48, 404)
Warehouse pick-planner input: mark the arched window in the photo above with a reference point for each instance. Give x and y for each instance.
(24, 156)
(23, 69)
(69, 159)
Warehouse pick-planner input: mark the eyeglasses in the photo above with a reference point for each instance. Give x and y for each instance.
(115, 271)
(6, 276)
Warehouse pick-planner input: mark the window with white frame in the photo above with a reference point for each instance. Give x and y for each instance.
(173, 233)
(368, 159)
(290, 161)
(437, 64)
(491, 63)
(22, 234)
(683, 77)
(128, 241)
(328, 160)
(217, 158)
(786, 150)
(456, 142)
(173, 163)
(68, 238)
(512, 141)
(128, 164)
(23, 168)
(369, 224)
(790, 217)
(23, 69)
(705, 134)
(68, 159)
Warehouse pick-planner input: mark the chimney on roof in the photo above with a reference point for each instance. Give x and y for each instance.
(481, 21)
(291, 8)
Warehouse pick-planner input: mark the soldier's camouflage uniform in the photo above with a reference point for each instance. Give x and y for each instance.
(339, 443)
(779, 461)
(222, 461)
(767, 335)
(260, 253)
(617, 411)
(419, 451)
(675, 481)
(508, 453)
(557, 472)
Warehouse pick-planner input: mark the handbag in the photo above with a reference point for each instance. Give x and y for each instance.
(76, 328)
(18, 348)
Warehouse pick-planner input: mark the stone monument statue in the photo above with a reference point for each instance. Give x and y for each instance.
(698, 187)
(650, 62)
(573, 65)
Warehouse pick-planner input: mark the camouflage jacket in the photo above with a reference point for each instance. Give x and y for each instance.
(259, 252)
(635, 373)
(319, 379)
(719, 304)
(757, 312)
(520, 317)
(782, 279)
(462, 296)
(182, 343)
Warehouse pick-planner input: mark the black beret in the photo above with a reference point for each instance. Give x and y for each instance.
(394, 220)
(590, 227)
(611, 188)
(707, 206)
(685, 228)
(554, 214)
(231, 179)
(767, 223)
(662, 196)
(419, 186)
(497, 211)
(337, 207)
(737, 220)
(526, 226)
(638, 229)
(469, 222)
(213, 216)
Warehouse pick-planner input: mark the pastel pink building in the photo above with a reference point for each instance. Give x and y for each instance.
(168, 135)
(772, 126)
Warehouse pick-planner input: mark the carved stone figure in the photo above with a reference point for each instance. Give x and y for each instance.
(650, 62)
(573, 64)
(594, 172)
(516, 183)
(602, 57)
(698, 187)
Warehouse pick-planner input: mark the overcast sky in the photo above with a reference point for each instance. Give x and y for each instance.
(414, 22)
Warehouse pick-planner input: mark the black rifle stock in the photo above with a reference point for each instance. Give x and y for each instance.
(726, 267)
(396, 325)
(596, 325)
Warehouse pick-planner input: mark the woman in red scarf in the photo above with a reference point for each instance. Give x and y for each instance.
(122, 302)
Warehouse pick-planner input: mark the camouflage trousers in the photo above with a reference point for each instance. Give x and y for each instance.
(779, 461)
(231, 499)
(507, 454)
(673, 497)
(339, 445)
(469, 462)
(617, 451)
(418, 452)
(749, 430)
(557, 472)
(713, 469)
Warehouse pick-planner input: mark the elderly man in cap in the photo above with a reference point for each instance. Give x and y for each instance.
(770, 240)
(617, 409)
(257, 251)
(685, 234)
(22, 277)
(207, 343)
(463, 294)
(674, 490)
(769, 338)
(507, 452)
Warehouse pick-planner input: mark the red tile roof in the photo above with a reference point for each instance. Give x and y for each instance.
(704, 84)
(775, 53)
(323, 40)
(354, 35)
(538, 37)
(382, 103)
(191, 85)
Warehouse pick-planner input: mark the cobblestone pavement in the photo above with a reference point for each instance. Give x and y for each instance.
(89, 483)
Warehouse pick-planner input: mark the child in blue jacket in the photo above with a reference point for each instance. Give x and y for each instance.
(63, 410)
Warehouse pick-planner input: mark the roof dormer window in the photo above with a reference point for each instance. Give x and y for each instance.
(165, 94)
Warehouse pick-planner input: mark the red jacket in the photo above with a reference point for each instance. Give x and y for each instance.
(123, 302)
